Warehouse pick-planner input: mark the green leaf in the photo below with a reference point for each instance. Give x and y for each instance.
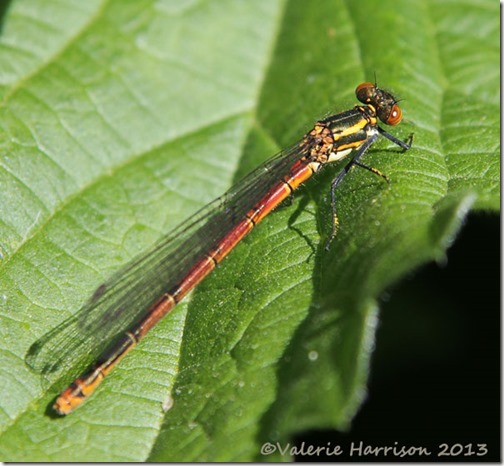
(121, 118)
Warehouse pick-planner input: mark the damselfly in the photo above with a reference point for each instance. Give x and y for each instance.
(124, 309)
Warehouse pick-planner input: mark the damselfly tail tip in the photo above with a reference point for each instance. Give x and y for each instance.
(67, 401)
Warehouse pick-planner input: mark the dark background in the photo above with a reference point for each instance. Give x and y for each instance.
(435, 371)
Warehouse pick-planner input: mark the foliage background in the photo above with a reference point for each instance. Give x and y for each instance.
(119, 118)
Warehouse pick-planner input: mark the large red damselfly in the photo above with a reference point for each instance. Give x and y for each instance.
(125, 308)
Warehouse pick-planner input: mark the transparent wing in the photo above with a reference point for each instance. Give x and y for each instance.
(126, 298)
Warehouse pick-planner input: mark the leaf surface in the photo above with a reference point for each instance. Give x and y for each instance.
(120, 119)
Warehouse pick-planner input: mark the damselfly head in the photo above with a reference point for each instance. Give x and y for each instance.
(382, 101)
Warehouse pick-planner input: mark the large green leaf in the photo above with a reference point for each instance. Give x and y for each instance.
(121, 118)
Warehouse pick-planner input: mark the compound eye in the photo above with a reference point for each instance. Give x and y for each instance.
(365, 91)
(395, 116)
